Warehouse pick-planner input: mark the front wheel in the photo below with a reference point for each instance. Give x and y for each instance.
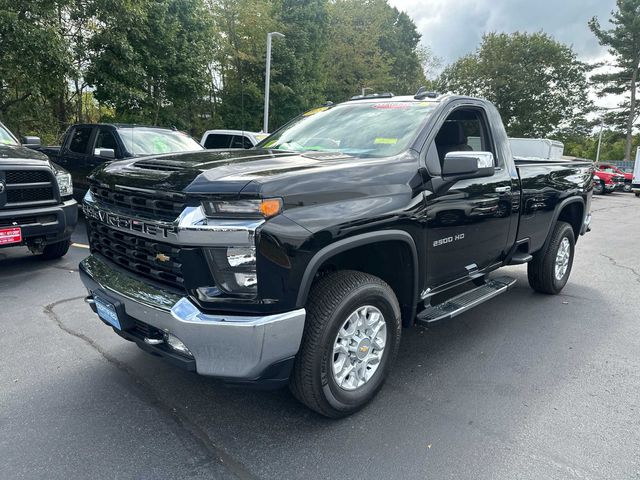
(598, 188)
(351, 337)
(627, 187)
(550, 268)
(55, 250)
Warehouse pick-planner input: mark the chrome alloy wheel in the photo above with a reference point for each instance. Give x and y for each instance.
(562, 258)
(359, 347)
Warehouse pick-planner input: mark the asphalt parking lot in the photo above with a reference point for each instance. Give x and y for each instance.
(525, 386)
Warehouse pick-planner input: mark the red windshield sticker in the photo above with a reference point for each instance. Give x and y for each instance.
(391, 106)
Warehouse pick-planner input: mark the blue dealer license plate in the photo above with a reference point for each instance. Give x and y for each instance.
(107, 312)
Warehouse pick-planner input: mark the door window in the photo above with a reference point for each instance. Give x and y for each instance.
(80, 139)
(241, 142)
(465, 130)
(106, 139)
(217, 140)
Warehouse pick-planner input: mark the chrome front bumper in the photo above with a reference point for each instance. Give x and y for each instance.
(231, 347)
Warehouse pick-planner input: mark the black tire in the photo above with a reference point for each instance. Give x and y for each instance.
(626, 188)
(541, 270)
(637, 194)
(331, 301)
(598, 188)
(55, 250)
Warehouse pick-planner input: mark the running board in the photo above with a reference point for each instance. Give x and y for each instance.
(465, 301)
(520, 258)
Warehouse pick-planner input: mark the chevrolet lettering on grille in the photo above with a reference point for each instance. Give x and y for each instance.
(121, 222)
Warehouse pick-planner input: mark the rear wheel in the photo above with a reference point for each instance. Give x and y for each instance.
(550, 268)
(56, 250)
(351, 337)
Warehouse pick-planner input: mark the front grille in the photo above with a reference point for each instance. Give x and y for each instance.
(27, 187)
(156, 260)
(27, 176)
(141, 203)
(28, 195)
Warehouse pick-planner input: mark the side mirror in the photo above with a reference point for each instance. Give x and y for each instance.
(31, 142)
(105, 152)
(464, 165)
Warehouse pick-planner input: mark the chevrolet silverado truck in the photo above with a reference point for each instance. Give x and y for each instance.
(36, 204)
(301, 261)
(87, 146)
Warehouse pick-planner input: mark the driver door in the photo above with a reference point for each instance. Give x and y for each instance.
(468, 221)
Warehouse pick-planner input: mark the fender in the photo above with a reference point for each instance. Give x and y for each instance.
(353, 242)
(556, 215)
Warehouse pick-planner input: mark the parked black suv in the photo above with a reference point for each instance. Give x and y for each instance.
(36, 204)
(301, 260)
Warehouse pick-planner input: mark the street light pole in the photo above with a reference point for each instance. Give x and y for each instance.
(599, 141)
(267, 75)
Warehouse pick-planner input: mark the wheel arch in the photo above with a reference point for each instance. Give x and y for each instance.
(353, 252)
(570, 210)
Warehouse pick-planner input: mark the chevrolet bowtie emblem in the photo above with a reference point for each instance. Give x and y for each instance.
(161, 257)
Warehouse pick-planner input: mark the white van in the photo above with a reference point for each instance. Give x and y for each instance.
(635, 183)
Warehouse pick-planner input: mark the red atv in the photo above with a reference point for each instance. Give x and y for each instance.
(606, 182)
(610, 168)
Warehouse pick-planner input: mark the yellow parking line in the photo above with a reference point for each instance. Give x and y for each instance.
(80, 245)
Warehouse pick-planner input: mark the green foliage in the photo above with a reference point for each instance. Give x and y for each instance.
(149, 60)
(537, 83)
(34, 65)
(371, 45)
(623, 41)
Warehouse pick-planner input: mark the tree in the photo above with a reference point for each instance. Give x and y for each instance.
(371, 45)
(623, 40)
(238, 60)
(34, 66)
(537, 83)
(149, 60)
(298, 77)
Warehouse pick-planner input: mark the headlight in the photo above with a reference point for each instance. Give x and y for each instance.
(265, 208)
(65, 184)
(234, 271)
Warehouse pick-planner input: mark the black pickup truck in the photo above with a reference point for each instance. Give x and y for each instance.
(36, 204)
(301, 260)
(87, 146)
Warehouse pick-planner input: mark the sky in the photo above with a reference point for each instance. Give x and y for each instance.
(453, 28)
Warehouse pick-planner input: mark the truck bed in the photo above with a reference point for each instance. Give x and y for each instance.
(544, 185)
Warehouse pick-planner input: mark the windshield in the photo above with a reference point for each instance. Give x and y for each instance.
(5, 137)
(360, 129)
(152, 141)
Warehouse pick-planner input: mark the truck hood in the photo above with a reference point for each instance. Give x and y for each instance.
(23, 155)
(252, 172)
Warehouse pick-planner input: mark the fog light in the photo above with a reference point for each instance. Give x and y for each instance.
(176, 344)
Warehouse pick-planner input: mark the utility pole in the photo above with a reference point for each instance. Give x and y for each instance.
(267, 75)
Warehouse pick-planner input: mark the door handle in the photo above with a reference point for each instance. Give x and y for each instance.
(503, 189)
